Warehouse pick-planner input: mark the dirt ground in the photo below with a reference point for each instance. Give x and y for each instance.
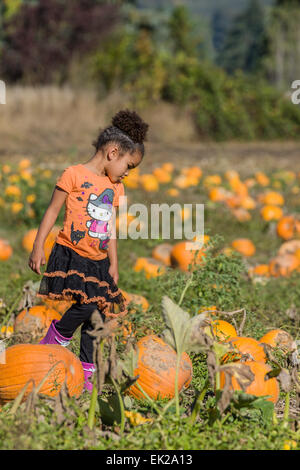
(246, 158)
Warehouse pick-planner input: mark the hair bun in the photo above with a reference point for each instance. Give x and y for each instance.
(131, 123)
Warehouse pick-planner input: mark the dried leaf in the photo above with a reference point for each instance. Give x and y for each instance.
(30, 289)
(196, 339)
(244, 376)
(285, 380)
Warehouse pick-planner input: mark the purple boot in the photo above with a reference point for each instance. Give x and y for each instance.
(54, 337)
(88, 370)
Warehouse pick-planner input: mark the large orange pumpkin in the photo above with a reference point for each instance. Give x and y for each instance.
(242, 345)
(156, 369)
(259, 387)
(278, 339)
(23, 362)
(35, 320)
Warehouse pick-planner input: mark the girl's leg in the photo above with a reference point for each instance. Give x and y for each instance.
(74, 317)
(86, 341)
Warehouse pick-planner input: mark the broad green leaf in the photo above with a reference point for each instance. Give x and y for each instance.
(110, 411)
(169, 338)
(176, 320)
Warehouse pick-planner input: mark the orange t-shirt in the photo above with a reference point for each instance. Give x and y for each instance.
(89, 210)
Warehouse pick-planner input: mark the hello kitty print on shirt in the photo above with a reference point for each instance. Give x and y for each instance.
(99, 209)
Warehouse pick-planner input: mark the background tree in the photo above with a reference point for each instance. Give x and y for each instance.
(42, 38)
(282, 63)
(182, 32)
(219, 25)
(244, 45)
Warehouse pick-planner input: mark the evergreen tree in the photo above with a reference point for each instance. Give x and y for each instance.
(219, 23)
(182, 32)
(245, 41)
(282, 62)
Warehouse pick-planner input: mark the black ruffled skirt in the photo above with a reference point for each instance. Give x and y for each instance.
(71, 276)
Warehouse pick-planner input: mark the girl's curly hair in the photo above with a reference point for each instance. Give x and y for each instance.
(128, 130)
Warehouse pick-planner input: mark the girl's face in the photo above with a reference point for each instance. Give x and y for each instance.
(119, 166)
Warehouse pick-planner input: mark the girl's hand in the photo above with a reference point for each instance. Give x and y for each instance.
(114, 272)
(36, 259)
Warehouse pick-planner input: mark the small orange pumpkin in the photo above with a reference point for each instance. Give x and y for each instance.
(149, 183)
(33, 361)
(29, 238)
(35, 320)
(259, 387)
(272, 198)
(241, 214)
(244, 246)
(242, 345)
(156, 369)
(150, 266)
(283, 265)
(181, 257)
(137, 299)
(5, 250)
(279, 339)
(259, 270)
(223, 330)
(262, 178)
(162, 176)
(290, 247)
(271, 212)
(288, 227)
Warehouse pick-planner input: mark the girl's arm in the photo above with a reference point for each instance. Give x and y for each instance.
(37, 256)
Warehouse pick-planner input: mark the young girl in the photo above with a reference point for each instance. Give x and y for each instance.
(83, 263)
